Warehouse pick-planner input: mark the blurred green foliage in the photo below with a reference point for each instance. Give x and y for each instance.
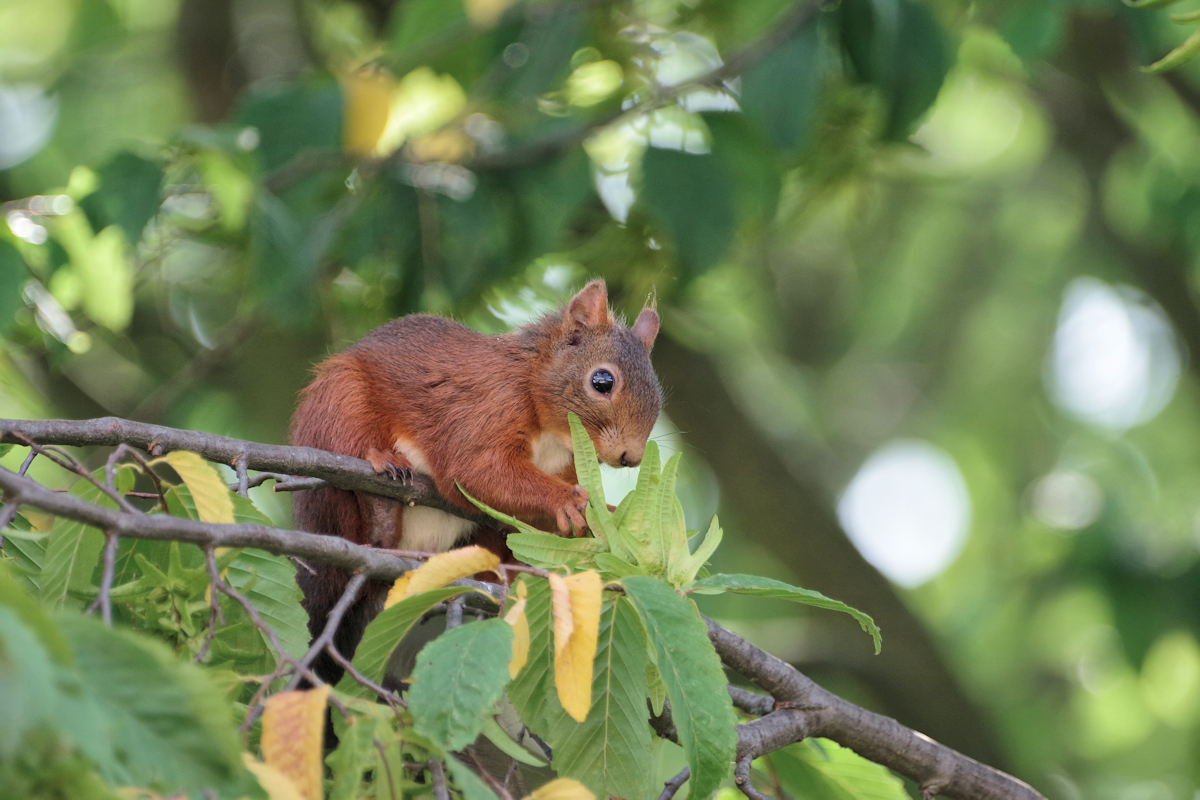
(865, 227)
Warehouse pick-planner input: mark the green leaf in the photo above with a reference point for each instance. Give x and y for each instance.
(587, 469)
(781, 91)
(169, 725)
(1179, 56)
(700, 705)
(354, 755)
(13, 274)
(587, 465)
(385, 632)
(499, 737)
(821, 768)
(523, 527)
(129, 195)
(684, 570)
(548, 550)
(470, 784)
(533, 693)
(766, 587)
(634, 522)
(897, 46)
(73, 548)
(668, 532)
(293, 118)
(609, 751)
(458, 679)
(269, 583)
(615, 567)
(690, 197)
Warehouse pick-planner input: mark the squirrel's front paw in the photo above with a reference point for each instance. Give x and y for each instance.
(394, 465)
(571, 512)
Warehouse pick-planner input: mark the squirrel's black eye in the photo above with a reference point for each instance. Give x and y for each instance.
(603, 381)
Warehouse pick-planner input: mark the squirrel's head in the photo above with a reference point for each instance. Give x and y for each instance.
(600, 369)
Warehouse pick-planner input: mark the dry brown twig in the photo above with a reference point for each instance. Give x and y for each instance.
(795, 709)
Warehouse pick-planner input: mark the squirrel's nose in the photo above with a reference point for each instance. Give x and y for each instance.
(630, 461)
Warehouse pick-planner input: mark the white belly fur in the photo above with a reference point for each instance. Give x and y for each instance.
(430, 530)
(551, 455)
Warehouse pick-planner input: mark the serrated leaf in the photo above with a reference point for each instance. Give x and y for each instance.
(385, 632)
(618, 568)
(684, 570)
(766, 587)
(169, 725)
(269, 582)
(562, 789)
(587, 468)
(533, 693)
(440, 570)
(666, 529)
(212, 497)
(821, 768)
(73, 549)
(633, 525)
(576, 602)
(547, 550)
(700, 705)
(293, 734)
(458, 678)
(610, 750)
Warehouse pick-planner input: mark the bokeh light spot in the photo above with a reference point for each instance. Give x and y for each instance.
(907, 511)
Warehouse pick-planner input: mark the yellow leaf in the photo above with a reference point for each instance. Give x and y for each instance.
(422, 102)
(398, 592)
(559, 789)
(293, 726)
(576, 602)
(520, 625)
(442, 569)
(274, 783)
(209, 492)
(367, 103)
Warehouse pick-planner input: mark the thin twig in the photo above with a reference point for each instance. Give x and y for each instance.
(454, 612)
(111, 540)
(28, 460)
(672, 786)
(391, 698)
(750, 702)
(741, 777)
(488, 778)
(349, 595)
(383, 759)
(438, 774)
(215, 617)
(243, 479)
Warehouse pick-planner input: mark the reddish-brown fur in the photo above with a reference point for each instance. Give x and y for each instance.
(473, 406)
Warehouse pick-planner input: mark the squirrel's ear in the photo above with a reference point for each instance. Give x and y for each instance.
(646, 328)
(588, 310)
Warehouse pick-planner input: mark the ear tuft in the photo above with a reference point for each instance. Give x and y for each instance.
(588, 310)
(646, 328)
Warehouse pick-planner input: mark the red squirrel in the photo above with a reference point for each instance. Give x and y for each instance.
(426, 394)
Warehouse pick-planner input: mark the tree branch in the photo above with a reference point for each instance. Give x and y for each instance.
(805, 709)
(344, 472)
(797, 707)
